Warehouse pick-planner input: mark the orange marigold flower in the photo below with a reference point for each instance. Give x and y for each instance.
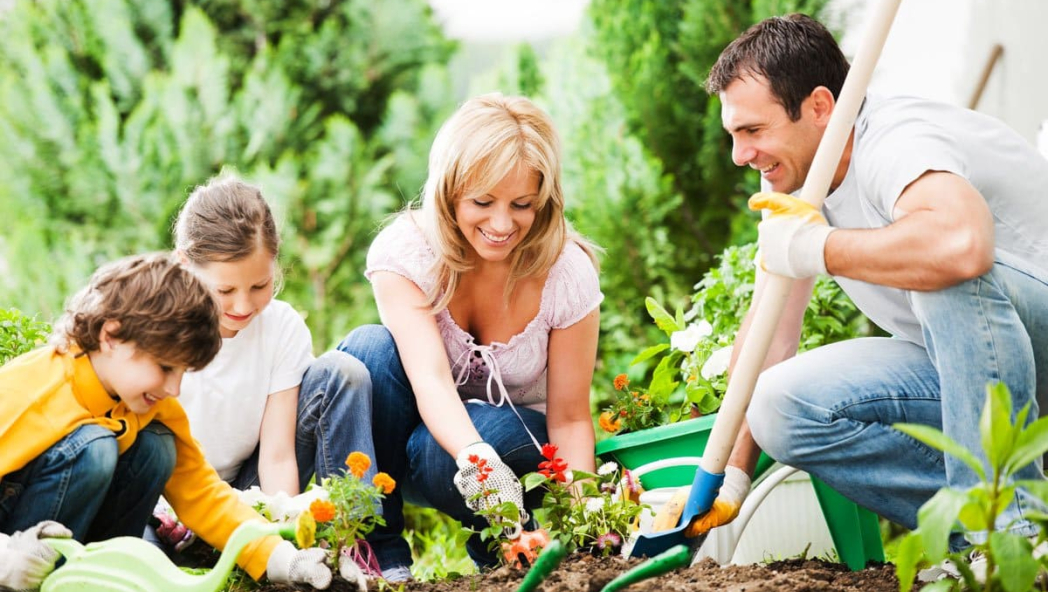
(358, 463)
(384, 481)
(322, 510)
(607, 424)
(621, 382)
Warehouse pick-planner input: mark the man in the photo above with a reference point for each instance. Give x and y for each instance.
(935, 226)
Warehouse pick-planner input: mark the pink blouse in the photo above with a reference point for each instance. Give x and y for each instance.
(497, 371)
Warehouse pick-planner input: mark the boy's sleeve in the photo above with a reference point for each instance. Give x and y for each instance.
(205, 503)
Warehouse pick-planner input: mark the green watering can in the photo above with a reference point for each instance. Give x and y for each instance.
(130, 564)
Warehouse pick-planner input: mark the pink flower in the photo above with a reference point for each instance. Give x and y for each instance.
(608, 540)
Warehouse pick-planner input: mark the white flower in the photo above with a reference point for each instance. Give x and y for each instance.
(607, 469)
(594, 504)
(717, 363)
(687, 339)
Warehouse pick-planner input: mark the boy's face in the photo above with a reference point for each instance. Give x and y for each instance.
(137, 378)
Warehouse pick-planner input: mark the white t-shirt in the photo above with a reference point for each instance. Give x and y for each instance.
(225, 400)
(899, 139)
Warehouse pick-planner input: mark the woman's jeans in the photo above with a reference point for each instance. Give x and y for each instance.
(82, 482)
(334, 415)
(829, 411)
(422, 469)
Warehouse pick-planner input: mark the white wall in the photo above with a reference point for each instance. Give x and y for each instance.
(938, 49)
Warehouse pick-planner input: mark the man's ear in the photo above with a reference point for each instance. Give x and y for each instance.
(822, 104)
(106, 341)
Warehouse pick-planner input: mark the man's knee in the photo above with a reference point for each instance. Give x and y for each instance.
(769, 417)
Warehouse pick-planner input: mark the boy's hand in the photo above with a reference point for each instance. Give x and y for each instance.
(25, 560)
(288, 565)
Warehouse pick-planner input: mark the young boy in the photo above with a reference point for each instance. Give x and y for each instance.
(91, 433)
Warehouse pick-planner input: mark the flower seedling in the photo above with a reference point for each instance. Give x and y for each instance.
(583, 510)
(1008, 447)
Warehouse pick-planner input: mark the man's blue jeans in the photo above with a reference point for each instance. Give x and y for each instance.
(83, 483)
(829, 411)
(422, 469)
(334, 395)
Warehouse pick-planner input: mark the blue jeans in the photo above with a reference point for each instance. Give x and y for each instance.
(82, 482)
(829, 411)
(334, 395)
(422, 469)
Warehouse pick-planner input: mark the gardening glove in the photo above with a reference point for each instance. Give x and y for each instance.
(480, 470)
(169, 530)
(726, 507)
(288, 565)
(792, 239)
(25, 560)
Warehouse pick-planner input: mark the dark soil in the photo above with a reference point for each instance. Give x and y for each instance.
(585, 573)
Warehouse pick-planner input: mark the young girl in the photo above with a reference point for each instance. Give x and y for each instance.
(265, 411)
(489, 303)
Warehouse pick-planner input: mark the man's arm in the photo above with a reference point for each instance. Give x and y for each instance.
(942, 236)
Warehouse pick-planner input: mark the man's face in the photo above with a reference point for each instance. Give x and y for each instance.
(764, 137)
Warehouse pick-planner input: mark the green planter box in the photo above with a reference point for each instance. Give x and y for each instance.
(685, 438)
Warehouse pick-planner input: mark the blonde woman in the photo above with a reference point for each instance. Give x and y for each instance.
(489, 304)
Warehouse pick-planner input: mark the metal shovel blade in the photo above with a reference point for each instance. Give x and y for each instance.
(704, 490)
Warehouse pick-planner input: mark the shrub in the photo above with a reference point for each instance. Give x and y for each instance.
(20, 333)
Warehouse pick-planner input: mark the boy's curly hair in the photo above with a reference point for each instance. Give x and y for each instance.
(162, 308)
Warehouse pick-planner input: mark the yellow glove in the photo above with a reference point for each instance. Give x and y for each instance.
(726, 507)
(792, 239)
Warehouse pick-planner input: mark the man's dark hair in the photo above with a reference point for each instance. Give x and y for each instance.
(794, 53)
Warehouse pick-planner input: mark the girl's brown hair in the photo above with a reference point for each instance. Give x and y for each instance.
(225, 219)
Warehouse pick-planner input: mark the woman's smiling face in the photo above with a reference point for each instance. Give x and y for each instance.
(496, 222)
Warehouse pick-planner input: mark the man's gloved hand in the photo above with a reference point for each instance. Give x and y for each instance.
(25, 560)
(726, 507)
(792, 239)
(288, 565)
(481, 470)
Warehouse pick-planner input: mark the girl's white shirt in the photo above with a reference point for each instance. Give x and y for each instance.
(225, 401)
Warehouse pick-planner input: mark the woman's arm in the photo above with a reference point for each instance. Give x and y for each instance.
(572, 356)
(404, 310)
(277, 466)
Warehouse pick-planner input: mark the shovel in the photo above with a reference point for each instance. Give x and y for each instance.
(710, 473)
(131, 564)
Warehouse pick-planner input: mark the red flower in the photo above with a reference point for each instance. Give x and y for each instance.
(483, 470)
(553, 467)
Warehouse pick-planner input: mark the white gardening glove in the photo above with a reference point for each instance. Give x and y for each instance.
(792, 239)
(288, 565)
(25, 560)
(481, 469)
(726, 507)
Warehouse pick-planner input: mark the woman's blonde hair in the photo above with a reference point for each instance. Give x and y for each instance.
(485, 140)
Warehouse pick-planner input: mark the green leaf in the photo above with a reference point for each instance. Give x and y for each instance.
(1031, 444)
(1016, 567)
(664, 380)
(649, 353)
(907, 558)
(663, 320)
(936, 520)
(533, 480)
(995, 425)
(940, 441)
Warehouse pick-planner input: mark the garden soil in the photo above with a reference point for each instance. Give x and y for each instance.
(584, 573)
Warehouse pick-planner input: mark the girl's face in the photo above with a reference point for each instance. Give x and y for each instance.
(496, 222)
(244, 288)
